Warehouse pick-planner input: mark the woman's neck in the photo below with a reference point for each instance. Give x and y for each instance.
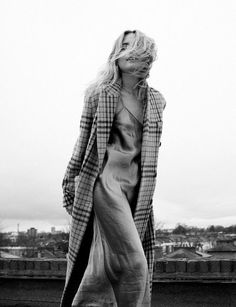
(129, 83)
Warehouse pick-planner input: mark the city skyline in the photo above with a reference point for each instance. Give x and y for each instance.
(42, 226)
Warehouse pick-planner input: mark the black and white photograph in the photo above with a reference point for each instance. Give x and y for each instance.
(118, 157)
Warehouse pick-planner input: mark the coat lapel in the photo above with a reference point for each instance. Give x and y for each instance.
(146, 119)
(152, 114)
(106, 110)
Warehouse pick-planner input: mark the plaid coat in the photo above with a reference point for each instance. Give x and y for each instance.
(84, 167)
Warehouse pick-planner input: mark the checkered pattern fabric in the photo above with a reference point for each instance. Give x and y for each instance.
(86, 163)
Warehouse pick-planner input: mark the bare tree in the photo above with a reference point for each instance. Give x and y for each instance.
(159, 225)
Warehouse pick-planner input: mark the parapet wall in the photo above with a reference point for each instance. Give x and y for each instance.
(33, 268)
(195, 270)
(164, 270)
(177, 283)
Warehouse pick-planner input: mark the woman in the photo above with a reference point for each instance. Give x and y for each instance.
(110, 180)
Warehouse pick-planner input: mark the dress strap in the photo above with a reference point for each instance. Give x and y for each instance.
(121, 106)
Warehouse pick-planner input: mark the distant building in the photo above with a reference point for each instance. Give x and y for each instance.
(163, 245)
(225, 248)
(6, 255)
(32, 232)
(20, 251)
(12, 236)
(54, 231)
(185, 253)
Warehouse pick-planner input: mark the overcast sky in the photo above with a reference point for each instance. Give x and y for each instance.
(51, 50)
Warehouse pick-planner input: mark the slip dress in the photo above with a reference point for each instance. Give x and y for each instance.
(117, 270)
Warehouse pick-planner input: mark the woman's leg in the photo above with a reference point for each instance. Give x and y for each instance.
(125, 262)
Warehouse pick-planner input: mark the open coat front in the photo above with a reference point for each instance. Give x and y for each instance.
(84, 167)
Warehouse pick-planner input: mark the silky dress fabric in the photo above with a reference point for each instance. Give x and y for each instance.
(117, 270)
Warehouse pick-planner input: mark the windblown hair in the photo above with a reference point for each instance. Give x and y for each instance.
(143, 48)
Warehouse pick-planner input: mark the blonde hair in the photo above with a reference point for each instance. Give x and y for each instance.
(143, 47)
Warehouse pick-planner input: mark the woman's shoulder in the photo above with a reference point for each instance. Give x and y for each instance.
(92, 97)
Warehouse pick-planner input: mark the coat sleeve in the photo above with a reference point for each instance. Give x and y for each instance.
(74, 165)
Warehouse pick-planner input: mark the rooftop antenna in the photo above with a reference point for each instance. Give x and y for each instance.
(18, 228)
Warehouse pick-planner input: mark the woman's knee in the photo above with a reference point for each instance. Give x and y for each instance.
(136, 265)
(130, 266)
(139, 264)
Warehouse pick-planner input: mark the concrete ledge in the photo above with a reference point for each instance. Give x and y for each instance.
(164, 270)
(195, 270)
(33, 268)
(177, 283)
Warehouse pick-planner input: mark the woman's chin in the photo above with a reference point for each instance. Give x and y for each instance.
(141, 74)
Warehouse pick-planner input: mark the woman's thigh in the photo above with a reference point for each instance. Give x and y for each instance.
(115, 218)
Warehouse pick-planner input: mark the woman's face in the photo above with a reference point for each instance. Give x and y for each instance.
(130, 64)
